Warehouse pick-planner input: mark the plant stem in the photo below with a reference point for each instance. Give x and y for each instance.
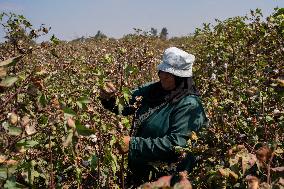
(264, 119)
(11, 97)
(122, 171)
(50, 162)
(269, 169)
(99, 152)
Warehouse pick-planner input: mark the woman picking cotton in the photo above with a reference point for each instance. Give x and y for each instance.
(169, 110)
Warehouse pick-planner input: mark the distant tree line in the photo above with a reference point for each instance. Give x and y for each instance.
(153, 32)
(163, 34)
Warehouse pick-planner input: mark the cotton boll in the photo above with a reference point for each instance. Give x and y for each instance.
(213, 76)
(225, 65)
(93, 138)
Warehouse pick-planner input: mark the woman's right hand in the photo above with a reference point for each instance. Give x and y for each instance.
(108, 91)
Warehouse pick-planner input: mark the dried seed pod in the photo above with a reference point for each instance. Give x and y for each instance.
(71, 123)
(13, 118)
(253, 182)
(25, 121)
(252, 91)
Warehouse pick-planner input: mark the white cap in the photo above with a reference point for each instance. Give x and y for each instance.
(177, 62)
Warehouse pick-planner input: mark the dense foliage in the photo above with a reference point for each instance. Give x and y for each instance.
(54, 132)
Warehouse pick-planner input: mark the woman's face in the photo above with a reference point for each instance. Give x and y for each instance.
(167, 80)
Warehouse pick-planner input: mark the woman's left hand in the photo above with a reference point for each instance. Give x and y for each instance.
(123, 147)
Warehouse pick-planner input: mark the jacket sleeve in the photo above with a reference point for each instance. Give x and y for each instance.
(186, 118)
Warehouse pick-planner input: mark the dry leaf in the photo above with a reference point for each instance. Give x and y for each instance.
(3, 72)
(264, 185)
(263, 154)
(29, 127)
(280, 81)
(11, 162)
(24, 121)
(281, 181)
(252, 91)
(223, 172)
(248, 161)
(278, 169)
(68, 140)
(193, 136)
(9, 61)
(55, 103)
(2, 159)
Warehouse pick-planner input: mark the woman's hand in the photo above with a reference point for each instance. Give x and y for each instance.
(123, 146)
(108, 91)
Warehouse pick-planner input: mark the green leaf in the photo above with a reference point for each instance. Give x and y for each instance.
(126, 123)
(120, 102)
(3, 172)
(82, 130)
(80, 105)
(22, 76)
(69, 112)
(268, 118)
(6, 125)
(42, 100)
(112, 141)
(13, 185)
(34, 174)
(43, 120)
(27, 143)
(14, 131)
(8, 81)
(84, 100)
(126, 94)
(94, 161)
(107, 58)
(122, 50)
(10, 61)
(114, 164)
(31, 174)
(54, 53)
(10, 184)
(54, 40)
(130, 70)
(41, 72)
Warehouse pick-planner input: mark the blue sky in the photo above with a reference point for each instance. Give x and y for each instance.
(70, 19)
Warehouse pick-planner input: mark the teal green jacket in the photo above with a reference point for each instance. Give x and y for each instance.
(158, 130)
